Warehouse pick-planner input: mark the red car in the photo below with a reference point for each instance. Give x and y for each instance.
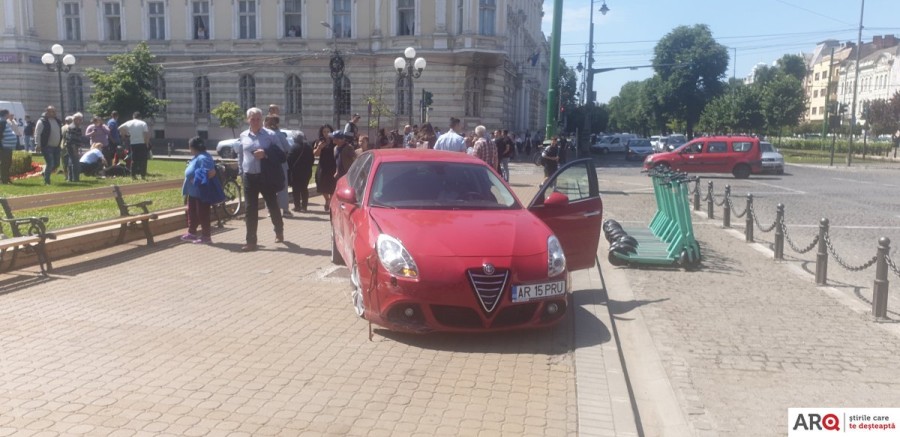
(739, 155)
(437, 241)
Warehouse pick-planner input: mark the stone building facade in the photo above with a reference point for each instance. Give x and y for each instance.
(487, 60)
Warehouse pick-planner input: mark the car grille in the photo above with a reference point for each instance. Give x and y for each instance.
(457, 317)
(515, 315)
(488, 288)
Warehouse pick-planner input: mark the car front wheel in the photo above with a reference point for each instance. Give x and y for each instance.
(336, 258)
(357, 294)
(741, 171)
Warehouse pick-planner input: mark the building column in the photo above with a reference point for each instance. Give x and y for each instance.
(376, 31)
(440, 16)
(9, 17)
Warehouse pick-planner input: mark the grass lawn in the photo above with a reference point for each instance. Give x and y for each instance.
(823, 157)
(157, 170)
(86, 212)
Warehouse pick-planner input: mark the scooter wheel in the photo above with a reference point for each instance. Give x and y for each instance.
(616, 235)
(610, 225)
(616, 261)
(622, 248)
(629, 240)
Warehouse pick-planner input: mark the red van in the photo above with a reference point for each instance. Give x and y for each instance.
(738, 155)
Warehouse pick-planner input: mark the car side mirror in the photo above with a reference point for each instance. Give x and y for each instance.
(556, 199)
(346, 195)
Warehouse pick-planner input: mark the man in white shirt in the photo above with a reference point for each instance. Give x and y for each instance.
(451, 140)
(138, 134)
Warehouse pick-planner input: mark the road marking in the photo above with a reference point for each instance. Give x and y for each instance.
(778, 187)
(854, 180)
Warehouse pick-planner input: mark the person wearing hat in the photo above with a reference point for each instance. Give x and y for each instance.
(350, 130)
(343, 153)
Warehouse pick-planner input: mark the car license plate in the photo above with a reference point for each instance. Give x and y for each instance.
(527, 292)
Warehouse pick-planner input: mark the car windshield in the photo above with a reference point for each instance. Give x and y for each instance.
(439, 185)
(766, 147)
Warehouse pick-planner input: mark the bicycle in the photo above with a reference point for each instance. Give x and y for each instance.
(231, 183)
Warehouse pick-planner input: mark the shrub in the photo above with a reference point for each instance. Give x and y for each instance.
(21, 163)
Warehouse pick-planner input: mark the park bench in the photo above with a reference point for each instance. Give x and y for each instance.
(28, 233)
(25, 230)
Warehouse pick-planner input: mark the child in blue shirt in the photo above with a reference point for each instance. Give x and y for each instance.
(203, 189)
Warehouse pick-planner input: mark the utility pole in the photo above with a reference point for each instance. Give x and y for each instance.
(553, 85)
(589, 101)
(855, 84)
(828, 95)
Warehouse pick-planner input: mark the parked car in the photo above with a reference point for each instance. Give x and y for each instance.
(612, 143)
(660, 145)
(739, 155)
(437, 241)
(654, 140)
(637, 149)
(225, 148)
(772, 161)
(673, 142)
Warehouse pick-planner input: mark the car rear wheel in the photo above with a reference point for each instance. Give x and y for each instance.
(741, 171)
(357, 293)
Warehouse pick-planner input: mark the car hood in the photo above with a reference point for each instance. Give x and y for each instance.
(443, 233)
(772, 155)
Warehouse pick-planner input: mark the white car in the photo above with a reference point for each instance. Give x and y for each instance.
(772, 161)
(613, 143)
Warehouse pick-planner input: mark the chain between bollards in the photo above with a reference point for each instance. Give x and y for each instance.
(822, 254)
(697, 195)
(748, 228)
(710, 201)
(880, 289)
(726, 212)
(779, 231)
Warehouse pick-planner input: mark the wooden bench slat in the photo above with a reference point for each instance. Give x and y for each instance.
(6, 243)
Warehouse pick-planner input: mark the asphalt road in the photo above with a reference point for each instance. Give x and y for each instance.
(860, 203)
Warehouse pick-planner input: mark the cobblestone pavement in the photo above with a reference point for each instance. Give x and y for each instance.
(859, 201)
(744, 338)
(192, 340)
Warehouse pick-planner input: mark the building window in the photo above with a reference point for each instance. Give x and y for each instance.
(487, 16)
(72, 21)
(112, 21)
(344, 102)
(814, 111)
(815, 93)
(292, 95)
(402, 94)
(157, 15)
(159, 90)
(817, 76)
(473, 96)
(460, 11)
(248, 91)
(293, 27)
(406, 18)
(76, 93)
(821, 109)
(247, 19)
(341, 26)
(200, 16)
(201, 95)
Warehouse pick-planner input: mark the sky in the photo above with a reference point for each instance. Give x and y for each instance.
(757, 31)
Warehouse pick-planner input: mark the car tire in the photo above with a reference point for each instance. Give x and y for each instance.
(356, 296)
(741, 171)
(336, 257)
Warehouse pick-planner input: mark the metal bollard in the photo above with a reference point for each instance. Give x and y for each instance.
(697, 198)
(748, 224)
(822, 254)
(710, 203)
(880, 290)
(726, 213)
(779, 232)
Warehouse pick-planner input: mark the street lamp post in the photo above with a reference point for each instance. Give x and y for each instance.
(586, 131)
(405, 68)
(336, 67)
(60, 63)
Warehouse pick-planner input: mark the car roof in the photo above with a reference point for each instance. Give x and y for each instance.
(419, 155)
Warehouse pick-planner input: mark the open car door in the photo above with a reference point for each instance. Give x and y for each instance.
(569, 203)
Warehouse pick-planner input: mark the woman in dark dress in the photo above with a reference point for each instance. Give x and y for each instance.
(300, 162)
(324, 150)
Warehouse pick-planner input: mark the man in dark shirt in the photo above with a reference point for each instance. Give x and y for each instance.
(29, 133)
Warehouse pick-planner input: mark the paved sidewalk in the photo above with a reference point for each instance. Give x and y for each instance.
(191, 340)
(736, 344)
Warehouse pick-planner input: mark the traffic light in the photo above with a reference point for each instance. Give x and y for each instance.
(428, 100)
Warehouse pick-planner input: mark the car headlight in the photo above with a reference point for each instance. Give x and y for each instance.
(395, 258)
(556, 258)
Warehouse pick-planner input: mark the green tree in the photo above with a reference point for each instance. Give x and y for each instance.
(375, 100)
(783, 102)
(691, 65)
(793, 65)
(883, 116)
(736, 111)
(229, 115)
(128, 86)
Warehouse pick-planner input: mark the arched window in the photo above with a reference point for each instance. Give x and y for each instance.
(76, 93)
(474, 94)
(344, 106)
(292, 95)
(248, 91)
(201, 95)
(402, 94)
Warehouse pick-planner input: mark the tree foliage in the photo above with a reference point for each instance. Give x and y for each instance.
(379, 108)
(229, 115)
(691, 65)
(783, 101)
(128, 86)
(883, 116)
(793, 65)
